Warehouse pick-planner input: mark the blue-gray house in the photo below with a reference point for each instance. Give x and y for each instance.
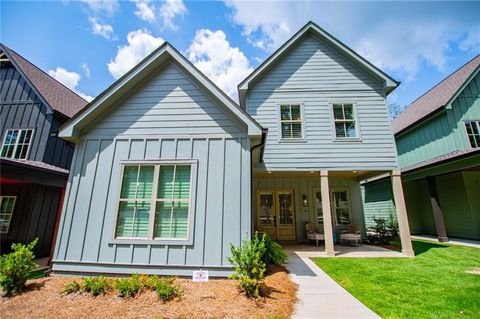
(168, 170)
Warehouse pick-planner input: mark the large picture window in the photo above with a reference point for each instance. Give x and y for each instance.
(473, 133)
(344, 121)
(155, 201)
(291, 121)
(7, 204)
(16, 143)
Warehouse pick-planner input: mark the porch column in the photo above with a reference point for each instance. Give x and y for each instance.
(400, 207)
(437, 210)
(327, 214)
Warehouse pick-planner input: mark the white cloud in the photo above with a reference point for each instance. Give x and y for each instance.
(145, 10)
(212, 54)
(401, 39)
(86, 70)
(102, 6)
(140, 44)
(103, 30)
(70, 79)
(169, 10)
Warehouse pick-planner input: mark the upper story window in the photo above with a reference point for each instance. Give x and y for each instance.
(473, 133)
(155, 202)
(291, 121)
(16, 143)
(344, 121)
(7, 204)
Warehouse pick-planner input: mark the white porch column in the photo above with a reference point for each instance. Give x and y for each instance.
(400, 207)
(327, 214)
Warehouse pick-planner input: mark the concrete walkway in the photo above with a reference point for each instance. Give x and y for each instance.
(451, 241)
(319, 295)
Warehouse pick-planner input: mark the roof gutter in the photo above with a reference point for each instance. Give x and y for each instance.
(262, 143)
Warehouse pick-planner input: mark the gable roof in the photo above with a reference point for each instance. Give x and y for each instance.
(437, 97)
(57, 96)
(390, 83)
(70, 130)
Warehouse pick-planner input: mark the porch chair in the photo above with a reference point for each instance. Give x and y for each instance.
(312, 234)
(352, 235)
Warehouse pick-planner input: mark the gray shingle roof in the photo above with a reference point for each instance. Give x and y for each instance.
(59, 97)
(435, 98)
(34, 164)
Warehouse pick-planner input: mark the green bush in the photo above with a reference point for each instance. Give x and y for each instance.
(249, 265)
(15, 267)
(96, 285)
(149, 281)
(128, 287)
(384, 230)
(166, 290)
(72, 287)
(274, 254)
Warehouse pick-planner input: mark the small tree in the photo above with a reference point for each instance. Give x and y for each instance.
(15, 267)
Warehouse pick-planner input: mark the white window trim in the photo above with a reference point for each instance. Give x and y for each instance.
(11, 213)
(314, 198)
(16, 142)
(358, 138)
(466, 132)
(333, 212)
(281, 139)
(150, 240)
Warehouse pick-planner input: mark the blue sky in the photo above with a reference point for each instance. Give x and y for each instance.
(88, 44)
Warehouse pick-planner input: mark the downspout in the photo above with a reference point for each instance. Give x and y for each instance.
(261, 145)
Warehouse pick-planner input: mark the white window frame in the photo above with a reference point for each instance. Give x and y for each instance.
(333, 211)
(8, 213)
(357, 138)
(477, 123)
(301, 121)
(314, 198)
(150, 239)
(15, 146)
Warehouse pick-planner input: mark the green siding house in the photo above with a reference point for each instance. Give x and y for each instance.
(438, 144)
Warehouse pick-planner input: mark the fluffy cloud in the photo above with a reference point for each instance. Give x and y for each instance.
(86, 70)
(70, 79)
(140, 44)
(400, 39)
(169, 10)
(103, 30)
(102, 6)
(212, 54)
(145, 10)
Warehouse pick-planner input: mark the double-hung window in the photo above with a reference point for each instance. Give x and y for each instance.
(341, 207)
(473, 133)
(344, 121)
(291, 121)
(16, 143)
(7, 204)
(155, 201)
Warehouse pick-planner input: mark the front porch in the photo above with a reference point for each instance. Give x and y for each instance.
(289, 206)
(360, 251)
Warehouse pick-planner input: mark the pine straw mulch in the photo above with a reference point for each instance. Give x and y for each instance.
(218, 298)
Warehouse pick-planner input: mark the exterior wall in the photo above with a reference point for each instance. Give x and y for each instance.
(168, 117)
(307, 186)
(316, 75)
(472, 186)
(443, 133)
(420, 214)
(34, 216)
(57, 151)
(377, 201)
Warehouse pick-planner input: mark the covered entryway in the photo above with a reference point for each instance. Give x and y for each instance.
(276, 213)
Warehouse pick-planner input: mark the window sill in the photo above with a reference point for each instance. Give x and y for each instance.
(293, 140)
(348, 139)
(153, 242)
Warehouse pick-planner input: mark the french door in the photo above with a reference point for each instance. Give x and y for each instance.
(276, 213)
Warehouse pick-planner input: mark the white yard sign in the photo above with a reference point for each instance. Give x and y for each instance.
(200, 276)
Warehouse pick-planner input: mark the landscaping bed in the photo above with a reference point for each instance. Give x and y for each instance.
(218, 298)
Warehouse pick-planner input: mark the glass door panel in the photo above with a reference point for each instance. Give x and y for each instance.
(266, 212)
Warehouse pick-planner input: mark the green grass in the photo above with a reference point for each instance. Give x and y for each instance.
(434, 284)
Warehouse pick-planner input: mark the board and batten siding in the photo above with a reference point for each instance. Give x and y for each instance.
(316, 75)
(167, 117)
(443, 133)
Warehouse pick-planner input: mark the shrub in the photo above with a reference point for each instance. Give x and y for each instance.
(249, 265)
(392, 225)
(96, 285)
(15, 267)
(385, 229)
(166, 290)
(128, 287)
(274, 254)
(71, 287)
(149, 281)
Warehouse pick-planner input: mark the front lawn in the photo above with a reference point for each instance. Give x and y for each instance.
(442, 281)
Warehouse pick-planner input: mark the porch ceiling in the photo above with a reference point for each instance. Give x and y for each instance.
(360, 175)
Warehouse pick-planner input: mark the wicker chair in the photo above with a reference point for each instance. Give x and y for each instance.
(352, 235)
(312, 234)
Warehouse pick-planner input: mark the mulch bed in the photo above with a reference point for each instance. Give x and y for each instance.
(218, 298)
